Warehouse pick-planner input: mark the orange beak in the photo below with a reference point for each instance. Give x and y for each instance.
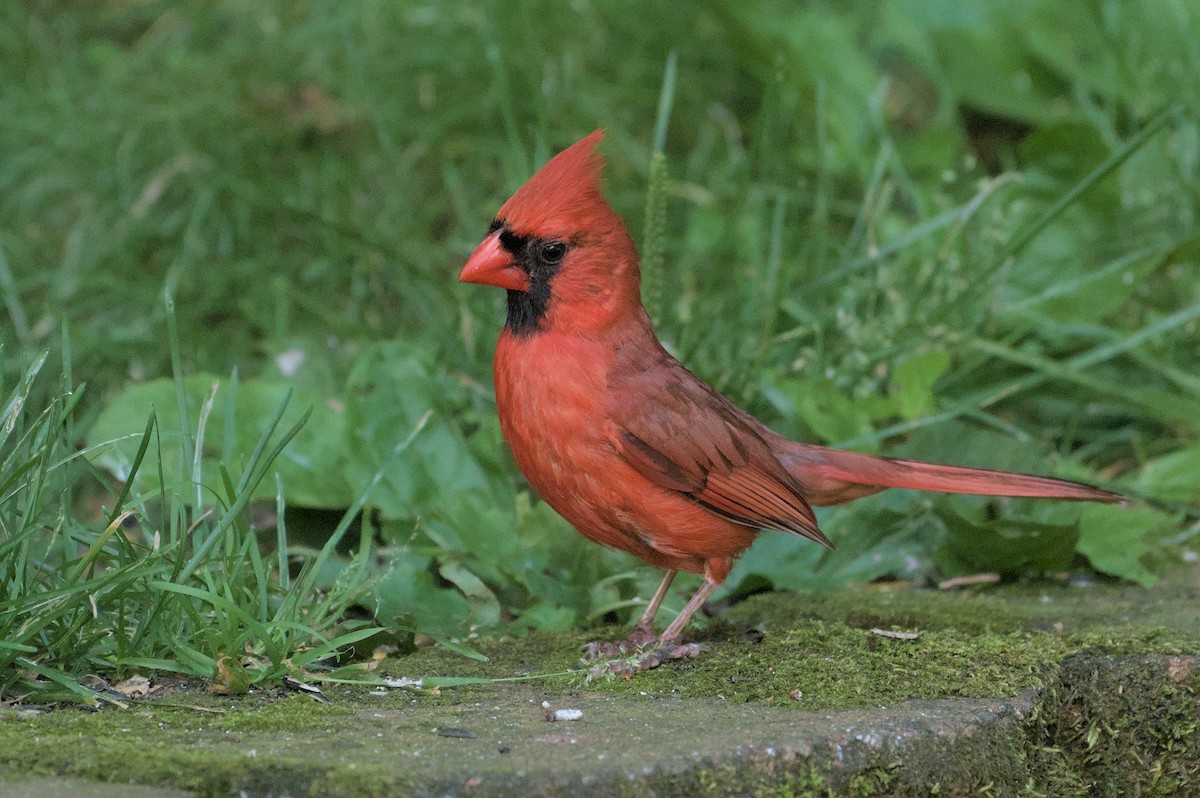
(492, 264)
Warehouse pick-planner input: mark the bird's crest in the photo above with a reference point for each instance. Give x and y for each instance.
(564, 196)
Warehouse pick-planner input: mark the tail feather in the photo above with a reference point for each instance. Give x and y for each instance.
(833, 476)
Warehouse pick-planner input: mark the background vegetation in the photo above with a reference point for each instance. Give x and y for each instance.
(960, 231)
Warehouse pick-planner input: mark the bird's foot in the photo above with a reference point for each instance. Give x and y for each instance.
(642, 658)
(640, 637)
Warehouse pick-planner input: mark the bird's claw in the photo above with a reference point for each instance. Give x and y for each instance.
(639, 638)
(605, 649)
(642, 658)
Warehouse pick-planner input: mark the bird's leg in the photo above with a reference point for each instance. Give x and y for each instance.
(643, 630)
(675, 629)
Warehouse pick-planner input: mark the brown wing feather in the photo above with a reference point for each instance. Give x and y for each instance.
(683, 436)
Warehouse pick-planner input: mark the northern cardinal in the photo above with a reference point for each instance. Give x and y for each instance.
(627, 444)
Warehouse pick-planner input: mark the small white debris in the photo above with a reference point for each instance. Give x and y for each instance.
(554, 715)
(969, 579)
(404, 681)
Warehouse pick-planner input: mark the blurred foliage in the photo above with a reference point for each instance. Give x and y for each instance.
(862, 235)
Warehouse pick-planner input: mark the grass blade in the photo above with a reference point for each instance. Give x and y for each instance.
(1157, 124)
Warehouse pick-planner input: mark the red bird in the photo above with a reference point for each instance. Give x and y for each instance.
(627, 444)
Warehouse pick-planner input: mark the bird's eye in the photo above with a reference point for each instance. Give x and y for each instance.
(553, 251)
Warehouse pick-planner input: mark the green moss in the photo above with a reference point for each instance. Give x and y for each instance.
(1106, 711)
(876, 781)
(1126, 723)
(294, 713)
(802, 782)
(835, 666)
(805, 780)
(210, 745)
(539, 652)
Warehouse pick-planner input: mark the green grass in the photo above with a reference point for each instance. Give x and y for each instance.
(156, 585)
(952, 231)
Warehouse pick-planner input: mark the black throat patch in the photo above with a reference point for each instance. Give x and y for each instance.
(540, 258)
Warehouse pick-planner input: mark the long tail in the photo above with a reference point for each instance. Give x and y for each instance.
(833, 476)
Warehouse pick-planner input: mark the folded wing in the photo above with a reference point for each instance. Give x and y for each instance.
(683, 436)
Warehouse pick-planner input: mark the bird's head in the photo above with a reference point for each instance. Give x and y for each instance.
(560, 249)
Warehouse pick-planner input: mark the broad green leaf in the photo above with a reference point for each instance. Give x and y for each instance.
(549, 617)
(883, 537)
(912, 383)
(806, 46)
(445, 642)
(388, 390)
(485, 609)
(1108, 53)
(408, 589)
(1114, 539)
(968, 444)
(825, 410)
(1172, 477)
(987, 66)
(1049, 283)
(1005, 545)
(312, 465)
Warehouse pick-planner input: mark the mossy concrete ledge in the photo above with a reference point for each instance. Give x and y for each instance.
(1028, 690)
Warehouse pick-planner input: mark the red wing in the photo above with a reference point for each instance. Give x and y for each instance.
(683, 436)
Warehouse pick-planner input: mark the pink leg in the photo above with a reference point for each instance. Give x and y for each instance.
(672, 632)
